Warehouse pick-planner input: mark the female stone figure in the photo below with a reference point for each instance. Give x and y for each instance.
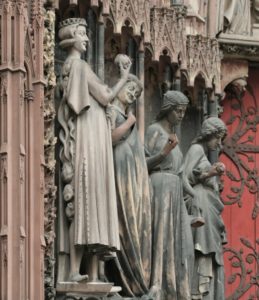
(171, 231)
(208, 277)
(132, 187)
(86, 153)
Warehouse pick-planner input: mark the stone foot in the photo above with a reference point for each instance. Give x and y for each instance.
(76, 277)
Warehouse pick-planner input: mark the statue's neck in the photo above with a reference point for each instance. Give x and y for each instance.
(168, 127)
(120, 105)
(74, 53)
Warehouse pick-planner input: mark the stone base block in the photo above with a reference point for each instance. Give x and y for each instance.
(85, 289)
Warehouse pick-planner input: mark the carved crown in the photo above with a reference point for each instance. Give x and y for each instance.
(72, 21)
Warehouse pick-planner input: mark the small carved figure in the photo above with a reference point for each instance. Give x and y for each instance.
(132, 187)
(86, 154)
(208, 277)
(172, 253)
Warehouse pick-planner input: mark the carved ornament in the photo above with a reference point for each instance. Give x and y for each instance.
(13, 7)
(203, 58)
(249, 51)
(168, 33)
(48, 163)
(127, 10)
(28, 95)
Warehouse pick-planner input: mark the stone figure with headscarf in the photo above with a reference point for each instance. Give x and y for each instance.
(172, 248)
(201, 180)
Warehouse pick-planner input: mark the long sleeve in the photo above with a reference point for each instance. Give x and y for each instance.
(77, 92)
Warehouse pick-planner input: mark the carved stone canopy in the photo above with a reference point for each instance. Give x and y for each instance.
(203, 58)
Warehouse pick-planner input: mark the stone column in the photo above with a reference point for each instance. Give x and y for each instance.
(177, 80)
(141, 100)
(100, 49)
(177, 87)
(37, 163)
(21, 152)
(92, 39)
(212, 110)
(12, 225)
(212, 23)
(131, 52)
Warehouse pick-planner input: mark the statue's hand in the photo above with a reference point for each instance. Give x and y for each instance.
(221, 168)
(125, 65)
(218, 168)
(171, 144)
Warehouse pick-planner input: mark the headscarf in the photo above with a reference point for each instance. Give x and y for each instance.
(171, 99)
(211, 126)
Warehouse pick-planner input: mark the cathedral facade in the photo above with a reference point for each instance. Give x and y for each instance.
(206, 50)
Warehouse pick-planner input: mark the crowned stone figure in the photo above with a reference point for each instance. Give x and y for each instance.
(88, 216)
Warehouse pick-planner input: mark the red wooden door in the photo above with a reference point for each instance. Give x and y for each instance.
(241, 192)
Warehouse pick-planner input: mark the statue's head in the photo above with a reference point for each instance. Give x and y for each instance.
(213, 131)
(72, 33)
(237, 88)
(67, 172)
(68, 192)
(131, 90)
(173, 107)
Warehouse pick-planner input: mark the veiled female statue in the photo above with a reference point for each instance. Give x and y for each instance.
(208, 277)
(133, 196)
(89, 195)
(172, 248)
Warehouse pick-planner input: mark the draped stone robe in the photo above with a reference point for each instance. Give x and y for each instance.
(208, 277)
(96, 218)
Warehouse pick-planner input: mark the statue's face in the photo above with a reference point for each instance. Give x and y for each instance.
(81, 39)
(129, 93)
(176, 115)
(215, 142)
(67, 172)
(68, 193)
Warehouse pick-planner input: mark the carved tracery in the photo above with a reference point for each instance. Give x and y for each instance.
(167, 33)
(203, 57)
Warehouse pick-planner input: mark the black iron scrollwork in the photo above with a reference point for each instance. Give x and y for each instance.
(246, 270)
(237, 149)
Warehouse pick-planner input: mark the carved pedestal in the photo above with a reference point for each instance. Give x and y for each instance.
(84, 291)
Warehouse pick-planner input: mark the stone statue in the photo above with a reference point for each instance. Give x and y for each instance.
(172, 252)
(87, 171)
(133, 196)
(208, 277)
(237, 17)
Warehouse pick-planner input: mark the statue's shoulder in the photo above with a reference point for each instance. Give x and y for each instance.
(153, 128)
(196, 149)
(73, 63)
